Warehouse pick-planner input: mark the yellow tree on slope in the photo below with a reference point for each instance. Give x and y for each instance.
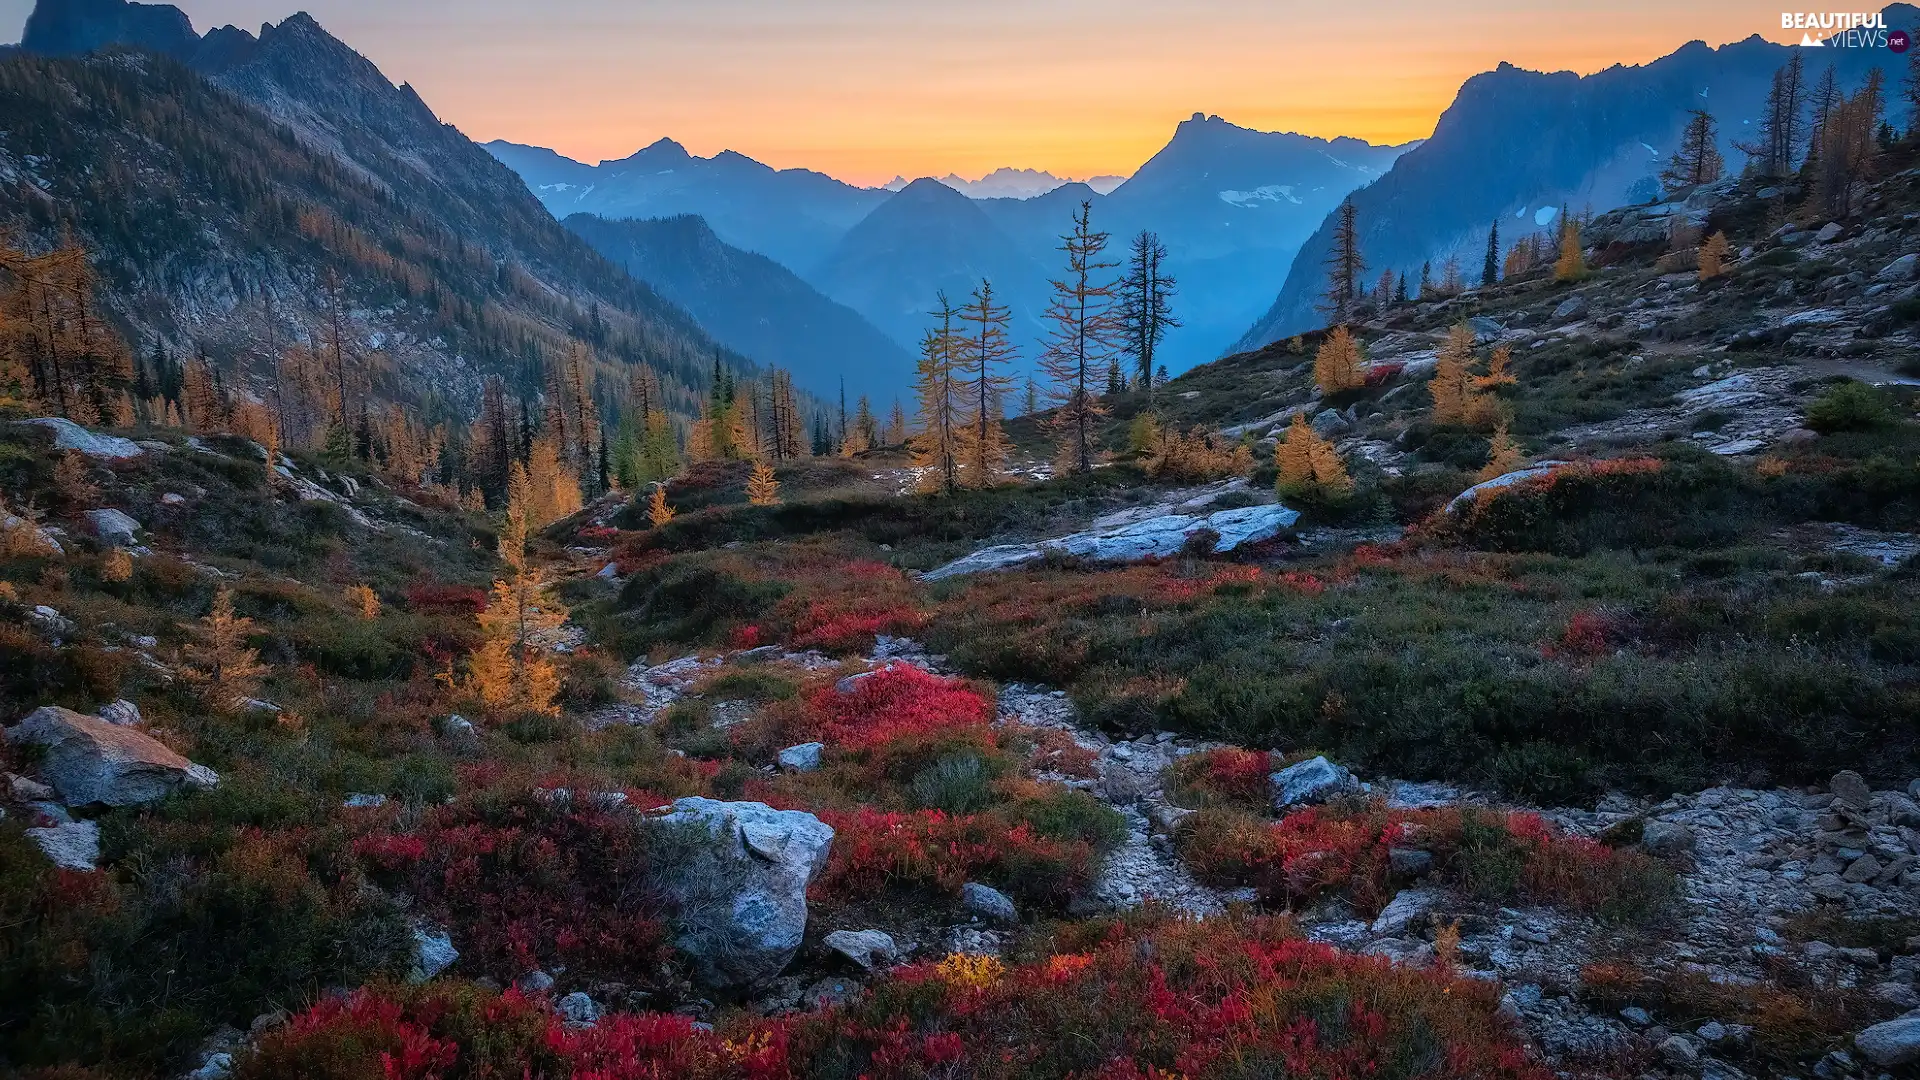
(508, 673)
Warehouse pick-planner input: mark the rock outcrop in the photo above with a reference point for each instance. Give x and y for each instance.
(1156, 537)
(88, 760)
(741, 898)
(68, 435)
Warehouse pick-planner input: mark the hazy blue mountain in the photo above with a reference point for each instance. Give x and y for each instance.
(1232, 204)
(754, 305)
(1516, 144)
(924, 239)
(792, 216)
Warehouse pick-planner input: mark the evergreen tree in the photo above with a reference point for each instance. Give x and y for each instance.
(1697, 160)
(1146, 306)
(1490, 269)
(1400, 288)
(1345, 267)
(1775, 151)
(1426, 280)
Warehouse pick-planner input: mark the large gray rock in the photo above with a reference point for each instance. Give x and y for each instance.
(802, 758)
(1896, 1042)
(988, 902)
(433, 953)
(114, 527)
(1572, 308)
(71, 845)
(742, 898)
(1900, 269)
(1666, 838)
(1156, 537)
(88, 760)
(1850, 790)
(68, 435)
(1485, 330)
(1312, 781)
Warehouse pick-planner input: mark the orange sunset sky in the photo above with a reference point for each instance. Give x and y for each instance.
(866, 89)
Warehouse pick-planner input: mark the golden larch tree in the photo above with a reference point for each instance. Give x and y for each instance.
(1503, 454)
(986, 350)
(936, 445)
(1337, 364)
(658, 512)
(1713, 256)
(1452, 385)
(220, 665)
(1572, 264)
(762, 488)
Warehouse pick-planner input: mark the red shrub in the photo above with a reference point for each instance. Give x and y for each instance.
(531, 884)
(874, 851)
(434, 598)
(1380, 374)
(897, 700)
(1587, 635)
(1327, 848)
(1226, 775)
(1146, 997)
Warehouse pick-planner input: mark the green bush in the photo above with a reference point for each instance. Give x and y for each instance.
(957, 784)
(1849, 406)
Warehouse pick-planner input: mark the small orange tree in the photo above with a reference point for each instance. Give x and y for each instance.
(1336, 366)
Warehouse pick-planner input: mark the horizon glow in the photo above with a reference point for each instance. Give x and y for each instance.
(865, 90)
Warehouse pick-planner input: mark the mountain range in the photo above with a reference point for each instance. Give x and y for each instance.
(220, 194)
(1516, 145)
(1232, 205)
(1008, 183)
(753, 305)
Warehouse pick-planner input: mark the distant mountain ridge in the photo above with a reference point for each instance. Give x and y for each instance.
(1515, 145)
(1011, 183)
(754, 305)
(1232, 204)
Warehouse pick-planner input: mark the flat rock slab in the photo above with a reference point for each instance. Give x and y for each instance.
(1156, 537)
(68, 435)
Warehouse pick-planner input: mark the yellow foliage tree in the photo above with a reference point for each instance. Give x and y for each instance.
(1484, 410)
(118, 566)
(1452, 385)
(220, 665)
(658, 512)
(1309, 464)
(364, 600)
(1713, 256)
(1293, 456)
(1503, 454)
(1572, 264)
(507, 672)
(1336, 366)
(762, 488)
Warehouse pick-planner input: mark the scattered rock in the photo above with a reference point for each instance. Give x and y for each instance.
(215, 1066)
(1407, 913)
(534, 982)
(1828, 233)
(1505, 480)
(88, 760)
(27, 790)
(1409, 862)
(114, 527)
(363, 802)
(72, 845)
(173, 498)
(122, 713)
(1850, 790)
(1679, 1052)
(802, 758)
(1312, 781)
(1485, 330)
(1900, 269)
(1327, 424)
(1635, 1015)
(742, 900)
(1896, 1042)
(1571, 309)
(433, 953)
(458, 726)
(1666, 838)
(868, 949)
(988, 902)
(578, 1008)
(68, 435)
